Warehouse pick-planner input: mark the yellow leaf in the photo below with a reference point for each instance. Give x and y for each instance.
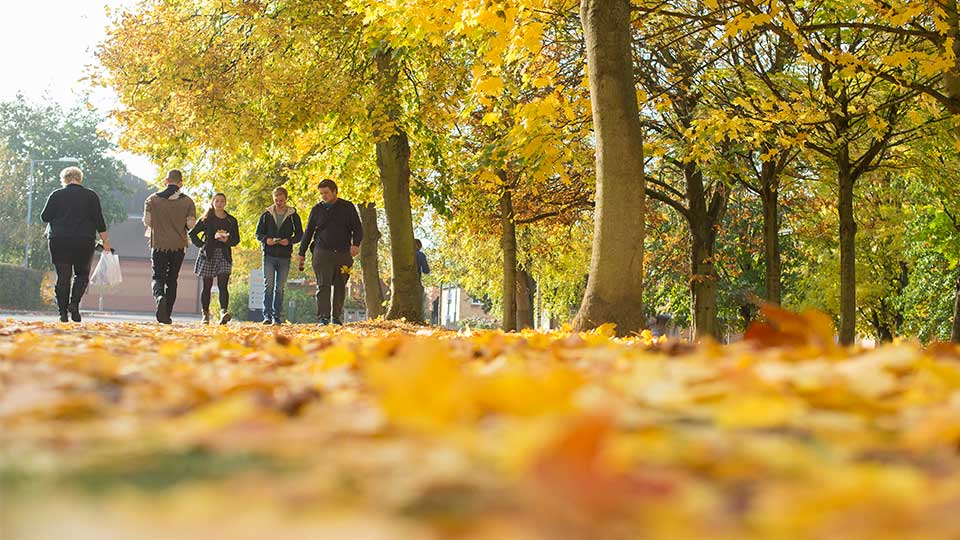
(338, 356)
(756, 411)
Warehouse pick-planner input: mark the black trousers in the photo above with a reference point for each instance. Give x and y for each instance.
(329, 268)
(72, 258)
(166, 271)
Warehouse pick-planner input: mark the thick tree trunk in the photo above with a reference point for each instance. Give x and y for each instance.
(393, 161)
(955, 334)
(370, 260)
(615, 286)
(703, 282)
(525, 299)
(848, 269)
(508, 245)
(769, 196)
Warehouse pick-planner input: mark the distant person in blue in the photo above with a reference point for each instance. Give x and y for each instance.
(278, 230)
(422, 268)
(75, 218)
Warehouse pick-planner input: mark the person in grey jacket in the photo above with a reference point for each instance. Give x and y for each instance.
(75, 219)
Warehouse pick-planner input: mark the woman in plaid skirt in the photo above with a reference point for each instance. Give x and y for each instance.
(215, 234)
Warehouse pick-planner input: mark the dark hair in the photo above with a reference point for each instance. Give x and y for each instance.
(210, 209)
(418, 243)
(280, 190)
(329, 184)
(175, 176)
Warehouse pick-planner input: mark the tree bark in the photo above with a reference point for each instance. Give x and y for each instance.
(955, 334)
(951, 78)
(848, 268)
(393, 162)
(508, 245)
(703, 281)
(370, 261)
(704, 216)
(769, 197)
(525, 299)
(614, 290)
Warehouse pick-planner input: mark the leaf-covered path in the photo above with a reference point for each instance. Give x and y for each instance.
(385, 431)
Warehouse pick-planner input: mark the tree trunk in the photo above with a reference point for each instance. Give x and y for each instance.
(370, 261)
(393, 161)
(848, 269)
(614, 290)
(703, 282)
(508, 245)
(769, 196)
(525, 299)
(955, 334)
(951, 78)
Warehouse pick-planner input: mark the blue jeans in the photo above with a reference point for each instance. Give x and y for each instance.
(275, 270)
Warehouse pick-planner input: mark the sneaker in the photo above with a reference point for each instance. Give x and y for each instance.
(225, 317)
(206, 317)
(323, 321)
(267, 320)
(338, 321)
(277, 322)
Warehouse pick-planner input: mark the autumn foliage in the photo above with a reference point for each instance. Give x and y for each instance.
(387, 431)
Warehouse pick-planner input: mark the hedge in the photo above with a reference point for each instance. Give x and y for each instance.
(301, 299)
(20, 287)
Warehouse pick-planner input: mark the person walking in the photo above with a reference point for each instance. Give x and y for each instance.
(168, 216)
(75, 218)
(278, 230)
(215, 234)
(333, 234)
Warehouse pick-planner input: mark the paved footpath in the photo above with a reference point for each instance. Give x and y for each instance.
(93, 316)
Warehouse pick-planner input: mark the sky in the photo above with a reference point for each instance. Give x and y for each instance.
(47, 47)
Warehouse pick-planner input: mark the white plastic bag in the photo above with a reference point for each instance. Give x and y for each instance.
(107, 272)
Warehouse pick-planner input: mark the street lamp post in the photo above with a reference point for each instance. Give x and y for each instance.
(33, 162)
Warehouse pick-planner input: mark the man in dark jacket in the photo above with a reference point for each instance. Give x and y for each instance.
(278, 230)
(75, 219)
(333, 234)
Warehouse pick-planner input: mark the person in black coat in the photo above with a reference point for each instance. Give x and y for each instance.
(278, 230)
(215, 234)
(75, 219)
(333, 234)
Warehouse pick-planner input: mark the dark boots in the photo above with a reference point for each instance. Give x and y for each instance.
(62, 294)
(79, 287)
(69, 301)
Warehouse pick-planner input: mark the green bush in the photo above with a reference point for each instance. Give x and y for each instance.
(20, 287)
(300, 304)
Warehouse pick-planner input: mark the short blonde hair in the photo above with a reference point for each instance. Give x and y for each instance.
(71, 174)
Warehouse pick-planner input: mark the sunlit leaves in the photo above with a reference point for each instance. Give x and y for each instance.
(407, 432)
